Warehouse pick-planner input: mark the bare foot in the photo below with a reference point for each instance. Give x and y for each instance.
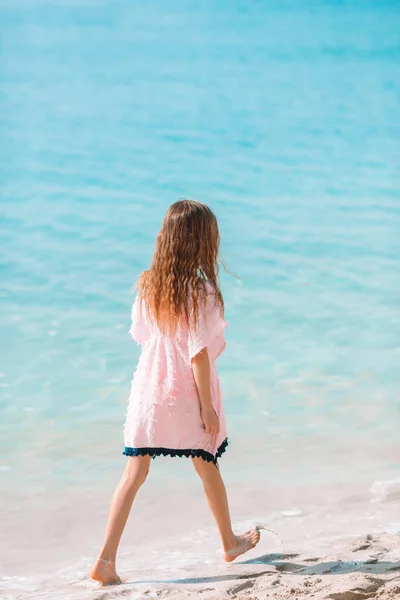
(104, 572)
(244, 542)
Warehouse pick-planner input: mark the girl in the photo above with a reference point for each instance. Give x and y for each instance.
(175, 406)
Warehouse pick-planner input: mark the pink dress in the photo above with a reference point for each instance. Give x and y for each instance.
(163, 415)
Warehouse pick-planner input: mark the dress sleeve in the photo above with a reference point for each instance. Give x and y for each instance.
(139, 329)
(209, 332)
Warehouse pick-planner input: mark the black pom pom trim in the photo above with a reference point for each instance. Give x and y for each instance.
(153, 452)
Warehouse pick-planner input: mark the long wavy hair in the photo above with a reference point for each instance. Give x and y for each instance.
(185, 263)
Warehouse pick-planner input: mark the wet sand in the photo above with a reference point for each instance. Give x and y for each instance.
(367, 567)
(354, 569)
(332, 543)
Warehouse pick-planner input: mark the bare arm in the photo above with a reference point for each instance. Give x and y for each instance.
(201, 374)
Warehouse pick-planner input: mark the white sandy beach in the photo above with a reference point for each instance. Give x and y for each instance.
(367, 567)
(352, 569)
(319, 543)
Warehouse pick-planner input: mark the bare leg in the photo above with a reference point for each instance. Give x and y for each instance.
(135, 473)
(215, 492)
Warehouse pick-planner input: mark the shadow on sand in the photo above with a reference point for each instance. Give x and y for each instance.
(338, 567)
(280, 565)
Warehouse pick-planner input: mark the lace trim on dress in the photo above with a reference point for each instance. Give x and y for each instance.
(198, 453)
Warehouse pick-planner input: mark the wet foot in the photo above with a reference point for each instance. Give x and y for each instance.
(104, 572)
(243, 543)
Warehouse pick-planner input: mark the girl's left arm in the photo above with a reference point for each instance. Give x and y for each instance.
(201, 374)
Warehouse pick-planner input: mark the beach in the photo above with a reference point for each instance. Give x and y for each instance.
(323, 543)
(303, 564)
(284, 118)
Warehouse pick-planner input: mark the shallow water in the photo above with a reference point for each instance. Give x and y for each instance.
(285, 119)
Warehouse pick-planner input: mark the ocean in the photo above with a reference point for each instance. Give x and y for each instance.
(283, 117)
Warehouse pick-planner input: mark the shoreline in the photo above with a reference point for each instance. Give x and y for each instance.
(314, 539)
(345, 545)
(355, 568)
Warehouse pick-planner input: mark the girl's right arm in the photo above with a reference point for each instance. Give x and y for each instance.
(201, 374)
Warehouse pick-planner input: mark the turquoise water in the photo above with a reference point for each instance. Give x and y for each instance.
(284, 117)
